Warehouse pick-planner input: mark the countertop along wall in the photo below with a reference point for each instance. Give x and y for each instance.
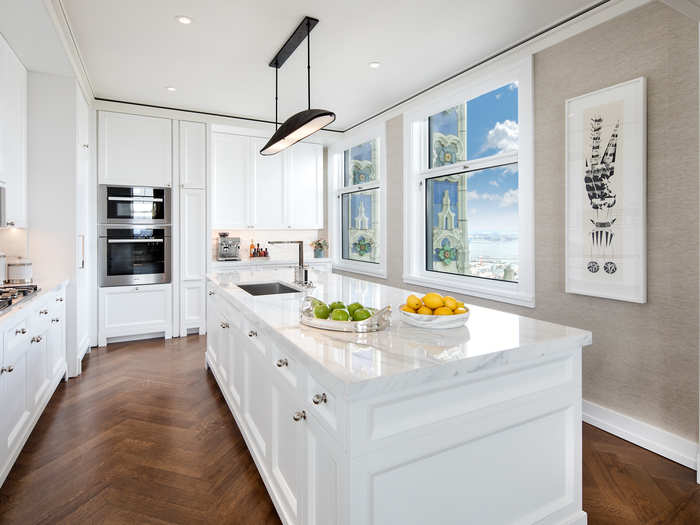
(644, 359)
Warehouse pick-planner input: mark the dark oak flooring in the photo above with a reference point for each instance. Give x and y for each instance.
(144, 436)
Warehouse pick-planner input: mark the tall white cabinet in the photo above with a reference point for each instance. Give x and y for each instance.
(58, 181)
(193, 226)
(13, 135)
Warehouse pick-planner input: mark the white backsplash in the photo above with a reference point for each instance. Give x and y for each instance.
(277, 251)
(13, 241)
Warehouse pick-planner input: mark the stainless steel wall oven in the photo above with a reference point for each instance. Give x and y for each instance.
(134, 205)
(134, 254)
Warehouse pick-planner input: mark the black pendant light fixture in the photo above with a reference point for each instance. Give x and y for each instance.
(307, 122)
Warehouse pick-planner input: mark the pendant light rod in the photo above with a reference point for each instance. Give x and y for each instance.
(276, 71)
(308, 62)
(297, 37)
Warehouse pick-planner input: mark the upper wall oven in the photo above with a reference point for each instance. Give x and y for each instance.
(134, 205)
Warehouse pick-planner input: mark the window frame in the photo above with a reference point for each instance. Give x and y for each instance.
(337, 190)
(416, 171)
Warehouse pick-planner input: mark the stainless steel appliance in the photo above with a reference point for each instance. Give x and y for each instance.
(10, 295)
(19, 270)
(134, 254)
(134, 205)
(228, 248)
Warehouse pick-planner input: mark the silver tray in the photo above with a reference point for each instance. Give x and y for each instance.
(379, 320)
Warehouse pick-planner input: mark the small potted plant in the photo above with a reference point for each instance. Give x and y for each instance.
(319, 246)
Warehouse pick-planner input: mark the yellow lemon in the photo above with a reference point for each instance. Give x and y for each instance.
(460, 304)
(450, 302)
(443, 310)
(460, 310)
(424, 310)
(407, 308)
(413, 301)
(433, 300)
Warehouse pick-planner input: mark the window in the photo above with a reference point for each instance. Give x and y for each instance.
(358, 204)
(468, 182)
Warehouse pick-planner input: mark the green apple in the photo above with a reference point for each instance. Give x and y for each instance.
(354, 306)
(321, 311)
(340, 315)
(337, 305)
(361, 314)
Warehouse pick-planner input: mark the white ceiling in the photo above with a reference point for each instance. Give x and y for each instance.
(134, 48)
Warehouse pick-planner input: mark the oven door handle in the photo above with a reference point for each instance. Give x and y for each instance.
(122, 241)
(135, 199)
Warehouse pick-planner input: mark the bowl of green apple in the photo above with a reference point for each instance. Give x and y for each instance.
(339, 316)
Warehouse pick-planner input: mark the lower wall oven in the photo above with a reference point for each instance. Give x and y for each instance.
(133, 254)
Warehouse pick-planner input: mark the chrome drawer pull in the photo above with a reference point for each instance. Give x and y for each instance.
(43, 312)
(36, 339)
(211, 292)
(55, 320)
(9, 369)
(299, 415)
(282, 362)
(252, 333)
(20, 331)
(59, 299)
(320, 398)
(224, 325)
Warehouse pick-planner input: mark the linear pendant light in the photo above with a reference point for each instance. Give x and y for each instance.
(307, 122)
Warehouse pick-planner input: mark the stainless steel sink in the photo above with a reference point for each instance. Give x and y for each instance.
(267, 288)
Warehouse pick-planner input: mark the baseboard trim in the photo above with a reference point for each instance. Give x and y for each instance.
(661, 442)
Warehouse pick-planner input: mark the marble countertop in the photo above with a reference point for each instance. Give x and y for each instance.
(15, 310)
(354, 362)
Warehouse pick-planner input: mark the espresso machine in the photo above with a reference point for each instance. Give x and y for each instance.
(228, 248)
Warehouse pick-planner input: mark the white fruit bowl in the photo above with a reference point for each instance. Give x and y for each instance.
(434, 322)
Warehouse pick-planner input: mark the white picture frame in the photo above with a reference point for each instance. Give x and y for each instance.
(605, 235)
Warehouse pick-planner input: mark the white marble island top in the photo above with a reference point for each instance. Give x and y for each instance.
(401, 353)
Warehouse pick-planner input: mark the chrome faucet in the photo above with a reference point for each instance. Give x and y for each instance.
(301, 272)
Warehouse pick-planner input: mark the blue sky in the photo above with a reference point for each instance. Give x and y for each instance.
(484, 114)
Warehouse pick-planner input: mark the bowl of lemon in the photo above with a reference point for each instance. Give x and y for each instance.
(434, 311)
(336, 315)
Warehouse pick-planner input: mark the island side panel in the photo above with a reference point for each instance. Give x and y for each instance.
(489, 447)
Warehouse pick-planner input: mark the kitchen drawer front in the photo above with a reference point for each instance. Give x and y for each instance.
(323, 403)
(17, 334)
(40, 318)
(287, 368)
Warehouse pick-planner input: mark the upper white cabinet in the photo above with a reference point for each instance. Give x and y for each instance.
(265, 192)
(268, 195)
(305, 186)
(13, 135)
(134, 150)
(230, 181)
(193, 154)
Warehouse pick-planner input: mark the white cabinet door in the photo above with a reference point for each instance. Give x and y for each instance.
(193, 154)
(256, 397)
(134, 150)
(269, 202)
(14, 397)
(37, 370)
(305, 186)
(55, 345)
(192, 314)
(193, 228)
(323, 476)
(230, 192)
(13, 135)
(213, 329)
(287, 450)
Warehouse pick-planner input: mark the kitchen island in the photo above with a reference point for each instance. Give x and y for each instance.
(474, 425)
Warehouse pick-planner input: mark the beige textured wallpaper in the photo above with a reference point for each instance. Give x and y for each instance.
(644, 360)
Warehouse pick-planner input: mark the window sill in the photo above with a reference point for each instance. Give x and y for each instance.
(351, 268)
(483, 292)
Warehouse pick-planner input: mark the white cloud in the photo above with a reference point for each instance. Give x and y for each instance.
(509, 198)
(503, 137)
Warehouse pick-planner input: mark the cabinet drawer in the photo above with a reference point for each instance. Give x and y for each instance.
(40, 318)
(323, 403)
(15, 336)
(288, 369)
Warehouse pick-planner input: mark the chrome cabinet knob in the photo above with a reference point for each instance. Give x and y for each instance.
(43, 312)
(59, 299)
(55, 320)
(298, 416)
(20, 331)
(224, 324)
(320, 398)
(8, 369)
(211, 292)
(36, 339)
(10, 223)
(252, 333)
(282, 362)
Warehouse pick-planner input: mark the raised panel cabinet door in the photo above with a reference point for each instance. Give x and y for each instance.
(305, 183)
(213, 328)
(13, 135)
(55, 343)
(230, 181)
(269, 202)
(236, 380)
(37, 370)
(193, 228)
(134, 150)
(256, 398)
(193, 154)
(15, 412)
(287, 452)
(323, 476)
(192, 313)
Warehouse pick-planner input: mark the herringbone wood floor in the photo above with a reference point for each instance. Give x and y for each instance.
(144, 436)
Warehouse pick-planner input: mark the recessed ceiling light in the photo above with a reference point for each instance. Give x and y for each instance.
(375, 64)
(183, 19)
(170, 88)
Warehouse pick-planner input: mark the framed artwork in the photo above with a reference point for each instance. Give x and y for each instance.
(606, 193)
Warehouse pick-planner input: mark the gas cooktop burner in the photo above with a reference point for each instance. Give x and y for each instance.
(12, 294)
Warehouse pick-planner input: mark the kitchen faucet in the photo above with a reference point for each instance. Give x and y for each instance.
(301, 272)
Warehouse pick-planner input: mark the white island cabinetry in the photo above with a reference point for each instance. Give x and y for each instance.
(404, 425)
